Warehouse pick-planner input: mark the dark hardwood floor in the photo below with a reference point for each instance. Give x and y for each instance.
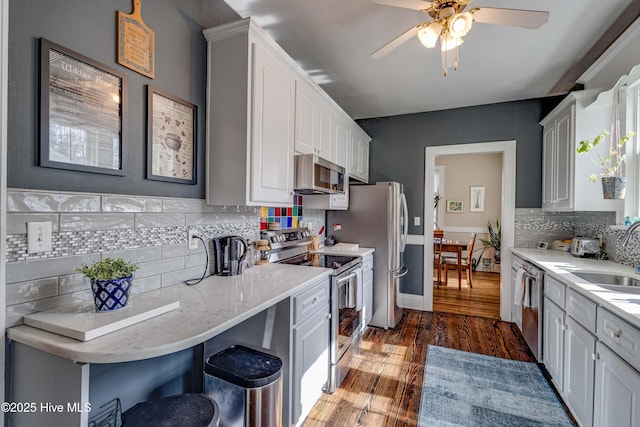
(482, 300)
(384, 385)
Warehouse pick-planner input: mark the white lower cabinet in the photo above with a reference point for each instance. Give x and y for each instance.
(579, 366)
(367, 287)
(553, 342)
(617, 391)
(310, 342)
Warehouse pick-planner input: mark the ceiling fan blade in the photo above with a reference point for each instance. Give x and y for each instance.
(396, 42)
(407, 4)
(512, 17)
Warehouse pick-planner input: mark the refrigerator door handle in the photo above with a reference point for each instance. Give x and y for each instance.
(405, 222)
(402, 271)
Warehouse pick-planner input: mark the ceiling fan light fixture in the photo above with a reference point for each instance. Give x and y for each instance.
(448, 42)
(460, 24)
(429, 35)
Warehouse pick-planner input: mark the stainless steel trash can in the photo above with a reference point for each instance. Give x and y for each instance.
(247, 385)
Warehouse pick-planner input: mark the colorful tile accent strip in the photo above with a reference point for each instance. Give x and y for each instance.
(286, 217)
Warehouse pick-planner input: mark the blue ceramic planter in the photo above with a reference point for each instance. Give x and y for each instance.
(111, 294)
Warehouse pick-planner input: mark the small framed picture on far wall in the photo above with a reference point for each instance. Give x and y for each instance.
(476, 199)
(455, 206)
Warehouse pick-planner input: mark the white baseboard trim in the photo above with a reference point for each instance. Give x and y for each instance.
(415, 302)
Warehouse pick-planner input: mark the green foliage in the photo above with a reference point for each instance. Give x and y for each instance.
(436, 199)
(611, 164)
(495, 236)
(108, 269)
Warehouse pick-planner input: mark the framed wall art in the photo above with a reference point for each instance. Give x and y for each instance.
(171, 138)
(476, 199)
(82, 113)
(455, 206)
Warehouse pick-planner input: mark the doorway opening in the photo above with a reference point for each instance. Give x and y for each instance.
(507, 149)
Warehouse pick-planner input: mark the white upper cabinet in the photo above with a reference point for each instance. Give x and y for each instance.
(314, 132)
(565, 173)
(359, 154)
(250, 118)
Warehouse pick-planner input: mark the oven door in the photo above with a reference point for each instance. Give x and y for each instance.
(349, 319)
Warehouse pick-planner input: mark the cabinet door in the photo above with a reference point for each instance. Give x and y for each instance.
(310, 362)
(617, 391)
(548, 166)
(342, 136)
(516, 309)
(355, 148)
(365, 161)
(273, 102)
(305, 127)
(367, 279)
(553, 342)
(326, 141)
(579, 371)
(564, 161)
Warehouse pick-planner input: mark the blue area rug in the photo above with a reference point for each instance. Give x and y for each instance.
(468, 389)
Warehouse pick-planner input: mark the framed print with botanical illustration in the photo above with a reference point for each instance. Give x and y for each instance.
(476, 199)
(455, 206)
(171, 138)
(83, 110)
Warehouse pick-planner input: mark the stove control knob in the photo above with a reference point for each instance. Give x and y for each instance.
(274, 239)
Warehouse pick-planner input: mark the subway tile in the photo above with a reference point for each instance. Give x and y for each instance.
(21, 271)
(195, 260)
(140, 255)
(70, 283)
(146, 284)
(159, 267)
(222, 218)
(152, 220)
(32, 201)
(31, 290)
(172, 251)
(175, 277)
(184, 205)
(130, 204)
(17, 222)
(80, 222)
(15, 313)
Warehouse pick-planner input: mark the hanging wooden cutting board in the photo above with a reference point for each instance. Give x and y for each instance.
(136, 42)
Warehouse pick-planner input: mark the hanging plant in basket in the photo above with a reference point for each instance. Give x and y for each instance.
(613, 183)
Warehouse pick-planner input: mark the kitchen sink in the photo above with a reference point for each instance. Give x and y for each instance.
(609, 279)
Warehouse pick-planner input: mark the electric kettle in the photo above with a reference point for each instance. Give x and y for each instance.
(228, 255)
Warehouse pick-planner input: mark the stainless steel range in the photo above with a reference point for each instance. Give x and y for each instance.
(290, 247)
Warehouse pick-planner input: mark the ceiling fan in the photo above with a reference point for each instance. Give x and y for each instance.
(450, 23)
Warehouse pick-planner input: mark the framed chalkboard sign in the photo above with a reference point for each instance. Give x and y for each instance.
(82, 113)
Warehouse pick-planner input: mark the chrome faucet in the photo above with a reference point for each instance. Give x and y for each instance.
(627, 236)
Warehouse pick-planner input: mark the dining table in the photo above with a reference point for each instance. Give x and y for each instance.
(453, 246)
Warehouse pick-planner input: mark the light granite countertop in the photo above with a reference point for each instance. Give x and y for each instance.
(359, 252)
(561, 265)
(206, 309)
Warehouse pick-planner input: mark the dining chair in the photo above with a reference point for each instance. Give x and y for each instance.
(438, 235)
(465, 264)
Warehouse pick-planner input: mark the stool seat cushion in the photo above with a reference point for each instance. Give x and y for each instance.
(181, 410)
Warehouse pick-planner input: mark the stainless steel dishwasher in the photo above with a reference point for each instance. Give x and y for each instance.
(529, 291)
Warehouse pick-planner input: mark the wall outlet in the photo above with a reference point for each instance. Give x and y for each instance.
(39, 237)
(193, 242)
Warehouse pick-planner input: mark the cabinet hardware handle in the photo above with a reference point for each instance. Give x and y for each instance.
(558, 321)
(328, 315)
(616, 334)
(595, 356)
(315, 299)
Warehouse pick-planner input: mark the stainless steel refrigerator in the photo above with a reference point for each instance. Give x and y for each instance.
(377, 218)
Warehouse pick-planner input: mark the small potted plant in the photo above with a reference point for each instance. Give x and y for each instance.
(110, 282)
(495, 239)
(613, 183)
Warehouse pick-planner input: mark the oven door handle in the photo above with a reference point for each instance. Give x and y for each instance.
(402, 271)
(345, 279)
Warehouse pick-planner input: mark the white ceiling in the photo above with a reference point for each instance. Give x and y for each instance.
(332, 41)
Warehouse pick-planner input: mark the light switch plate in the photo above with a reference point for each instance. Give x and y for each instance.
(39, 237)
(416, 221)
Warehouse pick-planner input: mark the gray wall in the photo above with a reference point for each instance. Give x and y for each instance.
(89, 28)
(397, 154)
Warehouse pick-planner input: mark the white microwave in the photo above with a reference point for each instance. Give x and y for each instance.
(318, 176)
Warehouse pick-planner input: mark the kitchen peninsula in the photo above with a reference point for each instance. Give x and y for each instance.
(254, 308)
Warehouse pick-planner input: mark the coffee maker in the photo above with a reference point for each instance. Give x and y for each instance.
(228, 255)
